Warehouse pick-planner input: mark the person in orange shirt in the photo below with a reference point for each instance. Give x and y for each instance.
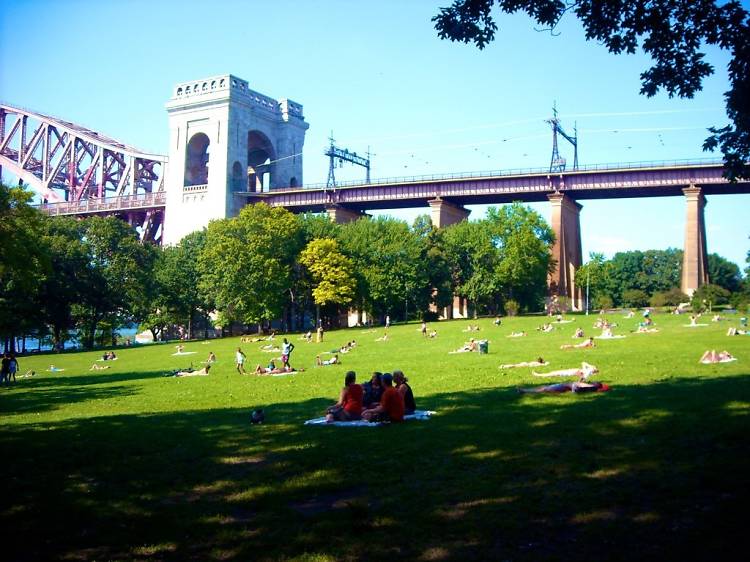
(391, 407)
(349, 406)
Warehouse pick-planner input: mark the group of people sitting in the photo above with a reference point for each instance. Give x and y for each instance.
(385, 397)
(109, 356)
(546, 328)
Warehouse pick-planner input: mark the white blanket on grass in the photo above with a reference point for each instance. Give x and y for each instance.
(693, 325)
(417, 415)
(609, 337)
(185, 353)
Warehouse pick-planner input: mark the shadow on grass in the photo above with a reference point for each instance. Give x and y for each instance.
(43, 393)
(658, 471)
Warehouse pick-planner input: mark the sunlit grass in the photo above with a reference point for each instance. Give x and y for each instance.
(126, 463)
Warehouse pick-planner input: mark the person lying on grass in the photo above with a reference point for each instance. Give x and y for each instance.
(405, 391)
(737, 332)
(190, 372)
(588, 342)
(516, 335)
(540, 362)
(584, 372)
(578, 387)
(349, 406)
(332, 361)
(97, 367)
(546, 328)
(711, 356)
(391, 406)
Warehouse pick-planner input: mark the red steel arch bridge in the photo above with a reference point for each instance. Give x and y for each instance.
(77, 171)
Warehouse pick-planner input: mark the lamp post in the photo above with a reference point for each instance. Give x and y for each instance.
(588, 274)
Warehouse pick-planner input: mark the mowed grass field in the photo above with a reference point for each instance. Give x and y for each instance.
(127, 464)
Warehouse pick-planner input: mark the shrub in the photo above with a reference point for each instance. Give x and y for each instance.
(658, 300)
(634, 297)
(603, 302)
(709, 295)
(511, 307)
(675, 296)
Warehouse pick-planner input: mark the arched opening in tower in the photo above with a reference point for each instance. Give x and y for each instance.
(196, 160)
(260, 162)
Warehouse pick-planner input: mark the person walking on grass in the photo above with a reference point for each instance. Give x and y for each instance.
(239, 358)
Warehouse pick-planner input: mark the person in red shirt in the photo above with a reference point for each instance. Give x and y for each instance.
(391, 407)
(349, 406)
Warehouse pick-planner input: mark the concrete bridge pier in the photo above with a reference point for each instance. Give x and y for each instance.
(566, 251)
(342, 215)
(444, 213)
(694, 258)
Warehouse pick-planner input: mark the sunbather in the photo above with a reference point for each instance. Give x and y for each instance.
(468, 347)
(588, 342)
(97, 367)
(584, 372)
(191, 373)
(332, 361)
(577, 387)
(540, 362)
(516, 335)
(712, 357)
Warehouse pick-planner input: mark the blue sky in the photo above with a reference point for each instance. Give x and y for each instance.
(376, 75)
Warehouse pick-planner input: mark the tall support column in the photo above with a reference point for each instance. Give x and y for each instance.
(694, 258)
(444, 213)
(566, 251)
(342, 215)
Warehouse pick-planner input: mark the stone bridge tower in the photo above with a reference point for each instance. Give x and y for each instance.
(224, 139)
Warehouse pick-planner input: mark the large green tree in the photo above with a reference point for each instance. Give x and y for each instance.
(724, 273)
(331, 271)
(390, 264)
(523, 239)
(246, 265)
(674, 33)
(116, 277)
(67, 283)
(24, 262)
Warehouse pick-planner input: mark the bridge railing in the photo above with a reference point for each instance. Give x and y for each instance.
(123, 203)
(515, 172)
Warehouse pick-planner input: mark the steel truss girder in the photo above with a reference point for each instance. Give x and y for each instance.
(67, 162)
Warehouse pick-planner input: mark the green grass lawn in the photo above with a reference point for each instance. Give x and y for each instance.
(126, 464)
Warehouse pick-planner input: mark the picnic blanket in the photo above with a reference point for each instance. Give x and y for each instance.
(720, 361)
(609, 337)
(693, 325)
(185, 353)
(417, 415)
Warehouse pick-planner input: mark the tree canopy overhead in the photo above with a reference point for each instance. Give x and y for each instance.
(672, 32)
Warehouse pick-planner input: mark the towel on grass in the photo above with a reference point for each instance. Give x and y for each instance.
(693, 325)
(417, 415)
(185, 353)
(609, 337)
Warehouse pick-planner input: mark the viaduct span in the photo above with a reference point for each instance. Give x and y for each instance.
(231, 146)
